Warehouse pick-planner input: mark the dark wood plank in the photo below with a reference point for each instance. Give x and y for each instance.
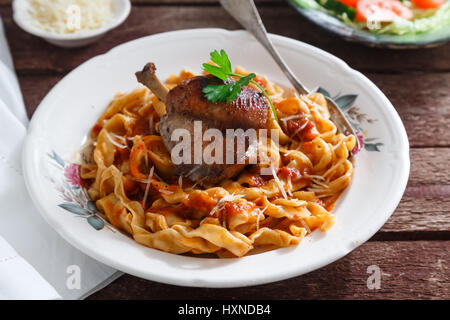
(423, 102)
(422, 211)
(410, 270)
(426, 203)
(34, 89)
(33, 55)
(429, 166)
(425, 110)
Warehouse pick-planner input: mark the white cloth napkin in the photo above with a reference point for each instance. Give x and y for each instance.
(29, 285)
(35, 262)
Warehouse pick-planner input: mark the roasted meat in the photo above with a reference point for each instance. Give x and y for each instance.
(248, 110)
(186, 103)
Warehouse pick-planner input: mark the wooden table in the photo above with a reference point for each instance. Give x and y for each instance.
(412, 248)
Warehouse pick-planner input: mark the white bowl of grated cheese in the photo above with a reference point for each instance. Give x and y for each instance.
(70, 23)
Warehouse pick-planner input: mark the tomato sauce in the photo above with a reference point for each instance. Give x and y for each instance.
(320, 202)
(260, 81)
(200, 201)
(96, 129)
(194, 202)
(120, 156)
(256, 180)
(295, 174)
(301, 128)
(229, 209)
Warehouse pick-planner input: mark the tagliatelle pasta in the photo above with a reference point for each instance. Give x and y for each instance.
(131, 177)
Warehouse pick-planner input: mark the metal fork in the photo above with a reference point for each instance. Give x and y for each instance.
(244, 11)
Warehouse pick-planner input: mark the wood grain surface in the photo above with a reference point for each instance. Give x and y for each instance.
(412, 248)
(409, 270)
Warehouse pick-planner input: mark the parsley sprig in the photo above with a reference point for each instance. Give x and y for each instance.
(228, 91)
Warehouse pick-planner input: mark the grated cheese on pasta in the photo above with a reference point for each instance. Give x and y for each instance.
(278, 182)
(147, 188)
(220, 203)
(118, 145)
(69, 16)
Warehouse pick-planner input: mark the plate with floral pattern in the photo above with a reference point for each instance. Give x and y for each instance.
(62, 121)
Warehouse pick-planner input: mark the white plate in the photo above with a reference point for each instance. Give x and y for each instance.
(72, 107)
(21, 16)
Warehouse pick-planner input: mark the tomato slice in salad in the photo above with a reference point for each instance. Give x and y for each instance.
(428, 4)
(351, 3)
(381, 10)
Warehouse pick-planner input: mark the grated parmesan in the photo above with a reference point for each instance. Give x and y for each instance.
(300, 129)
(295, 116)
(261, 213)
(312, 176)
(70, 16)
(119, 137)
(220, 203)
(290, 187)
(306, 226)
(278, 182)
(320, 184)
(111, 139)
(338, 145)
(149, 180)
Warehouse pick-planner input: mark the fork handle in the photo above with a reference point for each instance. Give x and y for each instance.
(245, 12)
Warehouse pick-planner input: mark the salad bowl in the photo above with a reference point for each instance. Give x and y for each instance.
(438, 34)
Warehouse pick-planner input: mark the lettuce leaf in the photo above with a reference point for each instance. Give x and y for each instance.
(440, 19)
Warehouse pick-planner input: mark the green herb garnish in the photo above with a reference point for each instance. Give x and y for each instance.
(339, 8)
(228, 91)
